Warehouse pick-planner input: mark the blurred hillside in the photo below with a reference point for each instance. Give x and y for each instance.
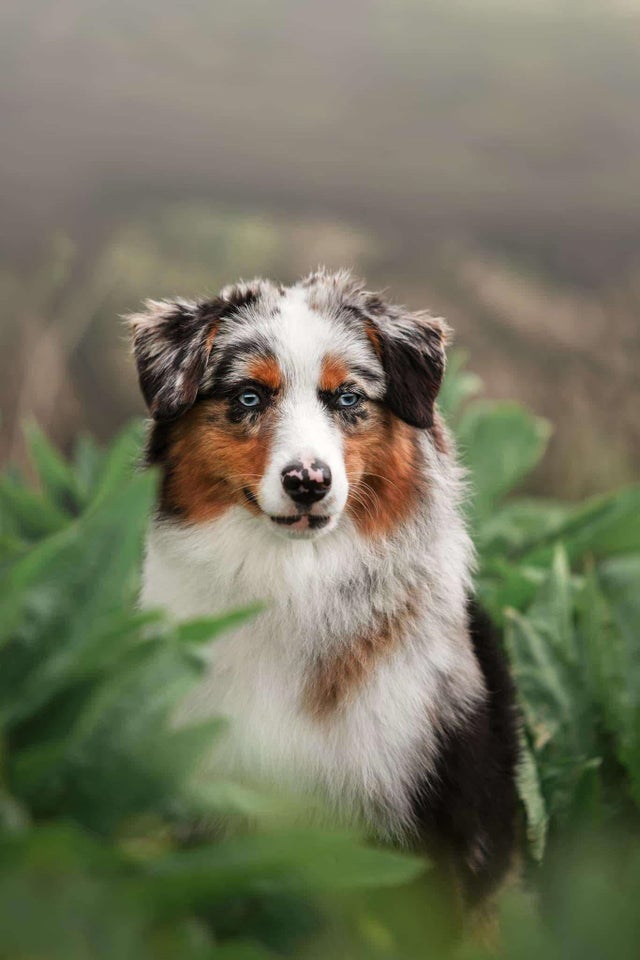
(481, 158)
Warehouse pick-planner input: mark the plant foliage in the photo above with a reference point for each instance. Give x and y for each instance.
(99, 793)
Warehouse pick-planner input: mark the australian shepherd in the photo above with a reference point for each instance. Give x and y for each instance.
(304, 465)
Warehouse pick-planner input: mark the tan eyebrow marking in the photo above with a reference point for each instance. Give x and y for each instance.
(266, 370)
(333, 374)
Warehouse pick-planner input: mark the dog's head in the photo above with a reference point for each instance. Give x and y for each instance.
(296, 403)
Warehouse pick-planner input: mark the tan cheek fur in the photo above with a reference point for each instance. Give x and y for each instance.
(212, 460)
(383, 470)
(380, 460)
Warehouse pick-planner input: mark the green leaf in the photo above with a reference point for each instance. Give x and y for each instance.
(530, 793)
(208, 628)
(119, 463)
(60, 895)
(554, 693)
(611, 628)
(458, 387)
(300, 860)
(602, 527)
(510, 528)
(88, 462)
(500, 444)
(241, 951)
(220, 796)
(503, 585)
(57, 480)
(26, 514)
(51, 621)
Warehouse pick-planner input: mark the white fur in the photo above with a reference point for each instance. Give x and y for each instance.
(304, 432)
(363, 761)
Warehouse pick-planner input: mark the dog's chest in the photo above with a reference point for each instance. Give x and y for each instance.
(362, 753)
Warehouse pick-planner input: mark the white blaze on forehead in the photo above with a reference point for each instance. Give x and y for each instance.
(302, 338)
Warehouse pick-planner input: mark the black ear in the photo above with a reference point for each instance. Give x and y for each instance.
(172, 340)
(412, 350)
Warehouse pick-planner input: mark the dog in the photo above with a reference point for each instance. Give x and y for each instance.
(304, 465)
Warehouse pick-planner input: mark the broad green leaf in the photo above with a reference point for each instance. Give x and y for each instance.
(510, 527)
(500, 443)
(458, 387)
(309, 860)
(602, 527)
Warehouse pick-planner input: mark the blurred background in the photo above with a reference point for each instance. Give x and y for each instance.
(477, 157)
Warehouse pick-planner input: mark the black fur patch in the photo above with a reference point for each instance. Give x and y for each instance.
(470, 812)
(411, 347)
(414, 365)
(221, 373)
(172, 342)
(158, 454)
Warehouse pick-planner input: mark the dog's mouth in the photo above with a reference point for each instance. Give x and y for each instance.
(303, 521)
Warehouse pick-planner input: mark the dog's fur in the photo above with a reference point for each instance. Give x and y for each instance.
(369, 681)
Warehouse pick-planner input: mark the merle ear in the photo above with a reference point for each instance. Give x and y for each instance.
(412, 351)
(172, 340)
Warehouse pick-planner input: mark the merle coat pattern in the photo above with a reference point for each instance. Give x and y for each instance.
(371, 687)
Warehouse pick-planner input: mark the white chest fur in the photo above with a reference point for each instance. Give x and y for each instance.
(361, 761)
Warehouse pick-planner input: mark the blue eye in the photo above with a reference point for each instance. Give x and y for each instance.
(249, 398)
(347, 399)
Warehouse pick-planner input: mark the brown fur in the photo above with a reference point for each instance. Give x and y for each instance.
(374, 337)
(333, 374)
(342, 675)
(212, 461)
(383, 471)
(266, 370)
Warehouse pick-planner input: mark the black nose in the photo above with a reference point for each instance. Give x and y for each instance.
(306, 481)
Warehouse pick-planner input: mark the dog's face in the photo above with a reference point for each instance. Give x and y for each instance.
(297, 403)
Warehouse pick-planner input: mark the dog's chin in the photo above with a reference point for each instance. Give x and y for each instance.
(305, 526)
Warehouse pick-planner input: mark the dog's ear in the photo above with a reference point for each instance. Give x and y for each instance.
(411, 347)
(172, 340)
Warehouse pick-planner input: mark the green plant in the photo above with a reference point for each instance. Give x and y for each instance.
(97, 789)
(564, 582)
